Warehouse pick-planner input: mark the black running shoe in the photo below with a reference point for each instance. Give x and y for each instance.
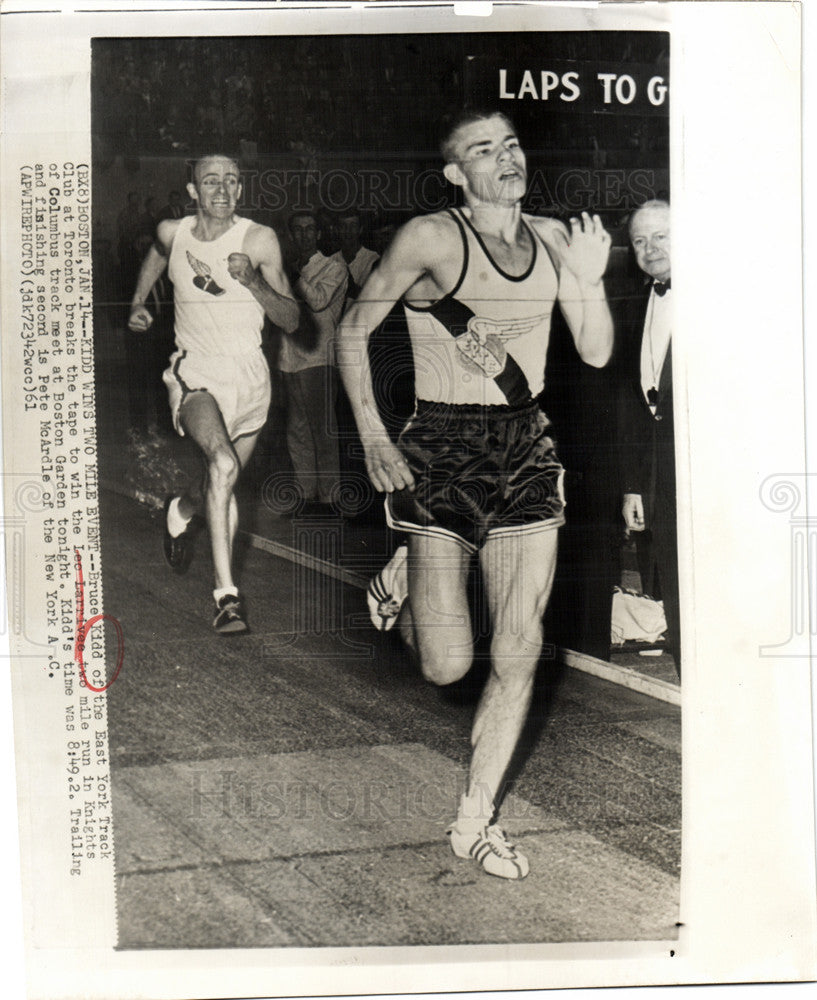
(229, 616)
(179, 550)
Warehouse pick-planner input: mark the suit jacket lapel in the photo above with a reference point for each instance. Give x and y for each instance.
(639, 314)
(665, 381)
(634, 314)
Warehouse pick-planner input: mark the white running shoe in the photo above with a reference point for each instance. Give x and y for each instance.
(388, 590)
(490, 848)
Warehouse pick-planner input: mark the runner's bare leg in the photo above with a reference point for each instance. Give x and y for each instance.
(203, 422)
(244, 447)
(518, 575)
(436, 621)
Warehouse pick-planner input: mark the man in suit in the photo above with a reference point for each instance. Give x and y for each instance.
(646, 426)
(581, 402)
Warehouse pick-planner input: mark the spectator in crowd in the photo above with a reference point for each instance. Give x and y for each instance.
(645, 417)
(358, 261)
(150, 217)
(328, 243)
(307, 363)
(356, 258)
(174, 209)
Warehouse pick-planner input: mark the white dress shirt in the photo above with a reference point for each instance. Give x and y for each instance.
(360, 267)
(655, 341)
(322, 285)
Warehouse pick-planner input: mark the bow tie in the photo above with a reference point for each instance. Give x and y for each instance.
(661, 287)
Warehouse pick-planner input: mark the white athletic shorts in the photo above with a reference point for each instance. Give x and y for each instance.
(240, 386)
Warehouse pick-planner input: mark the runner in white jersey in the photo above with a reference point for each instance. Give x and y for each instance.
(226, 273)
(474, 470)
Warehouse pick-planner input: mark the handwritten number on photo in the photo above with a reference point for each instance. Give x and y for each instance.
(84, 627)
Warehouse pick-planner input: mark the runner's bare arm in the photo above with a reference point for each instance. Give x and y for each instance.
(260, 269)
(152, 269)
(583, 251)
(415, 252)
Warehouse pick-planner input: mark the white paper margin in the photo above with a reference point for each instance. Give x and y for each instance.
(748, 817)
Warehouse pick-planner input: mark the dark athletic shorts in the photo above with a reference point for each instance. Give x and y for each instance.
(478, 470)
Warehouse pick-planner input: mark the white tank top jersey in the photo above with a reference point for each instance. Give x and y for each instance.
(486, 341)
(214, 313)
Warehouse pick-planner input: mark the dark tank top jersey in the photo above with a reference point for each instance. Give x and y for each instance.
(486, 341)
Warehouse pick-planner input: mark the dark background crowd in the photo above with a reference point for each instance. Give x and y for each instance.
(342, 122)
(314, 96)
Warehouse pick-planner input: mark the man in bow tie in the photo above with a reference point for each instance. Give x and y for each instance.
(646, 426)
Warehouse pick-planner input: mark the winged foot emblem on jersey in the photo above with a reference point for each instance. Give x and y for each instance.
(483, 341)
(203, 279)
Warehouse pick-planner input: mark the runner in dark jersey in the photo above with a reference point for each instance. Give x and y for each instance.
(475, 470)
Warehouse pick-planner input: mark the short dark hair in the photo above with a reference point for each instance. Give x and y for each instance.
(193, 165)
(451, 124)
(307, 213)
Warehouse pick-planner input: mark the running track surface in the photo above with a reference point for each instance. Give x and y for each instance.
(291, 787)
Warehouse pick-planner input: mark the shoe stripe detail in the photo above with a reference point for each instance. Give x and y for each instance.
(483, 848)
(491, 850)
